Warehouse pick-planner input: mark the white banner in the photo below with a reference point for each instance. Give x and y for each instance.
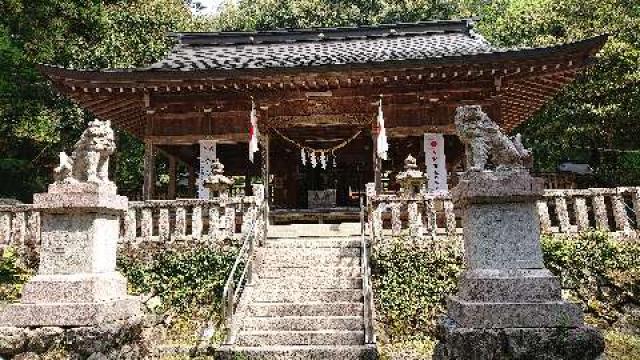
(207, 157)
(435, 162)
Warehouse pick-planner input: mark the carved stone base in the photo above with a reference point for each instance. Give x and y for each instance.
(70, 314)
(458, 343)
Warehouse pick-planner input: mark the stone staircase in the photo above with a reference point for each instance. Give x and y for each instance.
(305, 300)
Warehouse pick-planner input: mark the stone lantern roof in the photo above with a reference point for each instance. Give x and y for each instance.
(411, 180)
(217, 183)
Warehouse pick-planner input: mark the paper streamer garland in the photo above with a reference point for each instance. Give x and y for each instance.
(318, 155)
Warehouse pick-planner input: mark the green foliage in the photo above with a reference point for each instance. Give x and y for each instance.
(13, 274)
(270, 14)
(603, 274)
(184, 280)
(411, 284)
(621, 346)
(35, 122)
(594, 120)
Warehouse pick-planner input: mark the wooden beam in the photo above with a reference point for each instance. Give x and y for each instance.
(399, 132)
(148, 188)
(194, 139)
(171, 190)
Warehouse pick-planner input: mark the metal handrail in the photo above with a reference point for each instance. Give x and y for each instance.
(233, 289)
(367, 291)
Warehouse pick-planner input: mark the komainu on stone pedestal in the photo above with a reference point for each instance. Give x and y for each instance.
(485, 141)
(77, 283)
(508, 306)
(89, 161)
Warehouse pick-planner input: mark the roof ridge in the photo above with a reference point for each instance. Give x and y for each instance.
(291, 35)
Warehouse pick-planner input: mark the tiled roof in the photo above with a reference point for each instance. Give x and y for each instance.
(327, 46)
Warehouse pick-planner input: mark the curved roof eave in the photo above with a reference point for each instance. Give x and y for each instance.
(586, 47)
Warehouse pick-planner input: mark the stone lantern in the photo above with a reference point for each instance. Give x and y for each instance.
(411, 180)
(218, 184)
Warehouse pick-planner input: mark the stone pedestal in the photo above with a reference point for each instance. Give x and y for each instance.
(506, 291)
(76, 284)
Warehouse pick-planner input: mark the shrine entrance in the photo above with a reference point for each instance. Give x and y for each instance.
(303, 179)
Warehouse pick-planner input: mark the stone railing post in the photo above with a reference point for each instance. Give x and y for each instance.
(5, 227)
(432, 217)
(582, 213)
(543, 215)
(563, 214)
(229, 220)
(376, 221)
(635, 199)
(396, 221)
(450, 216)
(600, 211)
(214, 223)
(180, 229)
(196, 222)
(130, 226)
(164, 225)
(19, 226)
(146, 224)
(416, 229)
(620, 213)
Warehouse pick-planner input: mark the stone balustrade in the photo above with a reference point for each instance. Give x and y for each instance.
(147, 221)
(614, 210)
(189, 219)
(561, 212)
(19, 225)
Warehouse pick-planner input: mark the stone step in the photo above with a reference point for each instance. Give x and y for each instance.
(319, 271)
(314, 230)
(319, 252)
(316, 352)
(305, 242)
(274, 260)
(270, 338)
(303, 323)
(308, 296)
(308, 282)
(268, 309)
(304, 257)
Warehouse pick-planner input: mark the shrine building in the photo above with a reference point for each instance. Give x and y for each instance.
(319, 99)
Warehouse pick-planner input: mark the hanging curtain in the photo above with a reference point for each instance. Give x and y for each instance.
(383, 145)
(253, 131)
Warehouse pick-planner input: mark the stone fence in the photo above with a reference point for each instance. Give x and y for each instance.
(161, 221)
(561, 212)
(616, 210)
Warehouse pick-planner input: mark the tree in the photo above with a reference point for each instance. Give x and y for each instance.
(35, 122)
(596, 118)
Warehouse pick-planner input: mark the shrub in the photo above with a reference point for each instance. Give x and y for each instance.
(411, 285)
(412, 281)
(13, 274)
(184, 281)
(601, 273)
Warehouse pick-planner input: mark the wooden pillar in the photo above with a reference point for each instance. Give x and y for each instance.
(247, 179)
(171, 191)
(192, 181)
(265, 167)
(148, 188)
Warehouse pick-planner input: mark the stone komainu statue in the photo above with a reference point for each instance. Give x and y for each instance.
(485, 141)
(89, 161)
